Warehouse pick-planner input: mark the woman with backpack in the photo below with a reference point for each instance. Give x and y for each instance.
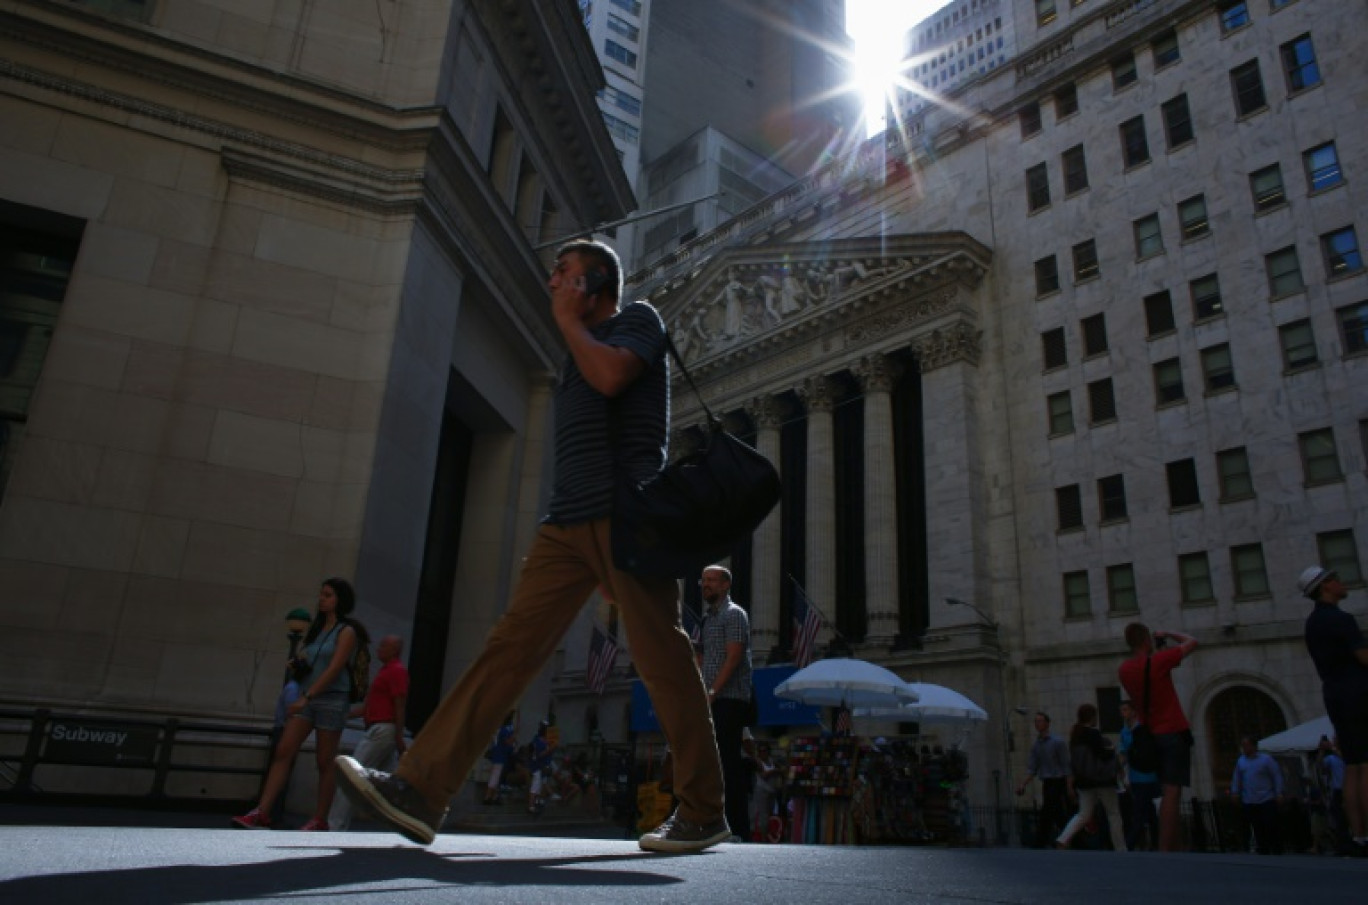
(1093, 779)
(321, 669)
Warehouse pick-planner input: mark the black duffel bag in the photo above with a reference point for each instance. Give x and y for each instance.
(695, 510)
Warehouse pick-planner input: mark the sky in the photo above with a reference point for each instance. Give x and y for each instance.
(878, 27)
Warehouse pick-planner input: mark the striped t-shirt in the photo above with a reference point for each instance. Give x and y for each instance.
(586, 461)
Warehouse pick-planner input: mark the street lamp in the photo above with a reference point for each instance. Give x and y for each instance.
(1004, 711)
(297, 622)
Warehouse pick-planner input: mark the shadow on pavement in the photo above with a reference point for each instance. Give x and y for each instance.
(349, 870)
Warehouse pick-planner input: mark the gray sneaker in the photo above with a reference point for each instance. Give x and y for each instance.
(679, 835)
(389, 798)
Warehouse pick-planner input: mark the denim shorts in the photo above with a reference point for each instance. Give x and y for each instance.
(328, 711)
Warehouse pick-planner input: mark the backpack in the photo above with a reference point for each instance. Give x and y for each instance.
(359, 668)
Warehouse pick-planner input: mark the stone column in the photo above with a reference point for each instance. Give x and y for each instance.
(818, 395)
(766, 580)
(876, 374)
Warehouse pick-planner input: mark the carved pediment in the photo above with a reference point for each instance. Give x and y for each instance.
(763, 299)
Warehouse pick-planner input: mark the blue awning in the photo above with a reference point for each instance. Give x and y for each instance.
(772, 711)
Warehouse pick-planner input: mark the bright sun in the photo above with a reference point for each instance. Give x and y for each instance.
(878, 28)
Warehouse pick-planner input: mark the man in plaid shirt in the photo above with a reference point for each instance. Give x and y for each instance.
(727, 675)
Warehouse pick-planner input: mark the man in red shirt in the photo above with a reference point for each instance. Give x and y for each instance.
(383, 711)
(1163, 715)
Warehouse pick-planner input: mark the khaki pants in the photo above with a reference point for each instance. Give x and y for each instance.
(564, 566)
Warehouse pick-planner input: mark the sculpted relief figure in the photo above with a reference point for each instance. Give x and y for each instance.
(743, 308)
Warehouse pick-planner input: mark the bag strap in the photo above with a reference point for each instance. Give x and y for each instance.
(713, 421)
(1145, 708)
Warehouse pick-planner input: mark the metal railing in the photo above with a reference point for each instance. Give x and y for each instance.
(83, 746)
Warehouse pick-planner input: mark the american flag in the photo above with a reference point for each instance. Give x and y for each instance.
(602, 656)
(806, 622)
(842, 720)
(693, 626)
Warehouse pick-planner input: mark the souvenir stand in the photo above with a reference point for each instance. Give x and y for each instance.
(847, 790)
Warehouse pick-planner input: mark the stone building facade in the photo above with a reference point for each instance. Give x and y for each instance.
(272, 312)
(1085, 346)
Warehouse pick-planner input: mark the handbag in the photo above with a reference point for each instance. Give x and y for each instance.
(1143, 755)
(695, 510)
(1091, 771)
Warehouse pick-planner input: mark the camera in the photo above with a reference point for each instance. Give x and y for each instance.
(300, 669)
(1160, 642)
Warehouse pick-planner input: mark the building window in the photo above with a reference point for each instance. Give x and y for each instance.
(1066, 101)
(1121, 596)
(1037, 187)
(1353, 321)
(631, 6)
(1164, 47)
(1266, 185)
(620, 128)
(1046, 276)
(1182, 484)
(1123, 72)
(616, 51)
(1054, 348)
(1339, 553)
(1069, 506)
(623, 27)
(1284, 272)
(1320, 458)
(1101, 402)
(1177, 121)
(1342, 256)
(1247, 84)
(1085, 261)
(1168, 382)
(622, 100)
(1322, 167)
(1298, 345)
(1134, 144)
(1299, 62)
(1075, 170)
(1077, 596)
(1251, 576)
(1045, 12)
(1111, 498)
(1060, 408)
(1094, 334)
(1234, 14)
(1206, 297)
(1159, 314)
(1232, 469)
(1192, 217)
(1217, 368)
(1194, 576)
(1029, 117)
(1149, 240)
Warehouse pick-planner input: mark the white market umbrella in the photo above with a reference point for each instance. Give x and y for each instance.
(935, 704)
(845, 682)
(1299, 739)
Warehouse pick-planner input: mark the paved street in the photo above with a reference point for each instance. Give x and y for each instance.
(161, 864)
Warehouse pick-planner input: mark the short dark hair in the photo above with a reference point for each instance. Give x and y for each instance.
(1043, 715)
(601, 258)
(1137, 633)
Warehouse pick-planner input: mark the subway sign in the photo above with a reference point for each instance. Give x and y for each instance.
(81, 742)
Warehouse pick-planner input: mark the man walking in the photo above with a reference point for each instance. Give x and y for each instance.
(727, 675)
(1147, 677)
(1340, 652)
(383, 712)
(1049, 760)
(611, 422)
(1258, 784)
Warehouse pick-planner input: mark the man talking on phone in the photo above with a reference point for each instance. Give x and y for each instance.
(1147, 676)
(611, 421)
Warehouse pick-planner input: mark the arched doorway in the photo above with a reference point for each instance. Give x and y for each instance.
(1234, 712)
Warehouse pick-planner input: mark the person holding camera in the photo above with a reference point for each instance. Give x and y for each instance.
(1147, 676)
(323, 703)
